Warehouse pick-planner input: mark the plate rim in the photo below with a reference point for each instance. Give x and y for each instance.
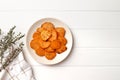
(49, 18)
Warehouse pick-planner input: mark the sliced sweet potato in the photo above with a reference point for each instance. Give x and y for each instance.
(49, 49)
(55, 44)
(61, 31)
(34, 44)
(40, 52)
(36, 35)
(40, 29)
(45, 35)
(61, 49)
(53, 35)
(62, 40)
(50, 56)
(44, 44)
(48, 26)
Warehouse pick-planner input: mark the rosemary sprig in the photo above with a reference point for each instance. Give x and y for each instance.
(7, 41)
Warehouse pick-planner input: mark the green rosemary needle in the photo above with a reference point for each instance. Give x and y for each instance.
(7, 41)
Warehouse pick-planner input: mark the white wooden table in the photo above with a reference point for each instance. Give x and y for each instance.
(95, 25)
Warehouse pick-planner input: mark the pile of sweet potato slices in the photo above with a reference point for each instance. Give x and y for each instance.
(49, 40)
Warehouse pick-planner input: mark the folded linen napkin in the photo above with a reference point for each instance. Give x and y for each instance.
(19, 69)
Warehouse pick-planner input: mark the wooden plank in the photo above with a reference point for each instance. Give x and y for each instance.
(91, 57)
(76, 73)
(60, 5)
(96, 38)
(81, 20)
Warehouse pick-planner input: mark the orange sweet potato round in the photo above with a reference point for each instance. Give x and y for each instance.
(61, 49)
(40, 29)
(62, 40)
(50, 56)
(55, 44)
(45, 35)
(48, 26)
(40, 52)
(61, 31)
(34, 44)
(49, 49)
(53, 35)
(36, 35)
(44, 44)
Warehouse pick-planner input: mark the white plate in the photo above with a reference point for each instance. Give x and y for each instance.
(59, 57)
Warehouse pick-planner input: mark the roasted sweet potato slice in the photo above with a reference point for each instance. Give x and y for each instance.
(49, 49)
(40, 29)
(36, 35)
(61, 49)
(40, 52)
(61, 31)
(50, 56)
(48, 26)
(62, 40)
(44, 44)
(55, 44)
(53, 35)
(45, 35)
(34, 44)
